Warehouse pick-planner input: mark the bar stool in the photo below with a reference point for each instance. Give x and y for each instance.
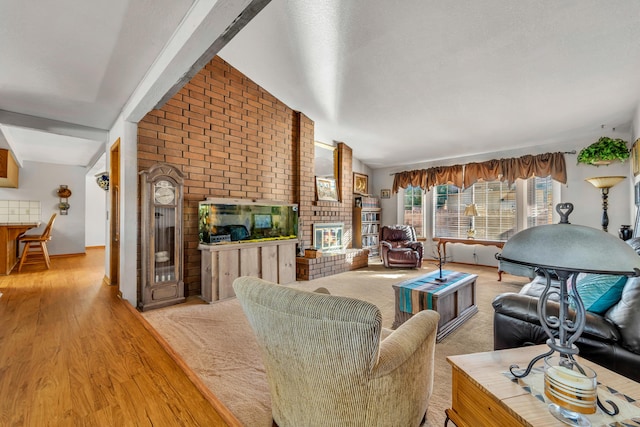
(36, 246)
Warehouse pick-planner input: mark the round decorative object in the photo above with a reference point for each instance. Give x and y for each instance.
(64, 192)
(164, 193)
(102, 179)
(64, 206)
(625, 232)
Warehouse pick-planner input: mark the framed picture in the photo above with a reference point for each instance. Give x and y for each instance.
(326, 189)
(360, 183)
(385, 194)
(635, 157)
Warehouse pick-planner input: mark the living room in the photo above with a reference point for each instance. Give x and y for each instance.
(227, 89)
(233, 137)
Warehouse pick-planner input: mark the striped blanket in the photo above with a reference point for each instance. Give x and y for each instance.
(415, 295)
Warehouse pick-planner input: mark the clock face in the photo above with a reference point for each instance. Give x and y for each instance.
(164, 193)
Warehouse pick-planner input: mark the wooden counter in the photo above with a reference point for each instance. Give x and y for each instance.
(9, 233)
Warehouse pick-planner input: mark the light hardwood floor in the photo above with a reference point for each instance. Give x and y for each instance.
(73, 353)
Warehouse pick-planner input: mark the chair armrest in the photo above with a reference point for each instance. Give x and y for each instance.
(386, 245)
(405, 341)
(414, 245)
(525, 308)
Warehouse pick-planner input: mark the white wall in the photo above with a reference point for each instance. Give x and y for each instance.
(586, 199)
(128, 133)
(40, 181)
(95, 213)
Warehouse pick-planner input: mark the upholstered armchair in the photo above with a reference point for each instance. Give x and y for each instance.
(327, 364)
(399, 247)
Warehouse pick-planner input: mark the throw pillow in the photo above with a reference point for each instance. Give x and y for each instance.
(599, 292)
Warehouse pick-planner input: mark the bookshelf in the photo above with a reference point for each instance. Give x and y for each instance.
(367, 224)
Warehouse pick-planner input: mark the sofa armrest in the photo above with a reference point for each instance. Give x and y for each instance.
(403, 343)
(525, 308)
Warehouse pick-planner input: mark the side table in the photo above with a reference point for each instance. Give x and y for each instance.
(454, 299)
(482, 395)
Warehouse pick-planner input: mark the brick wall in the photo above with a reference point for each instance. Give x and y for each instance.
(231, 138)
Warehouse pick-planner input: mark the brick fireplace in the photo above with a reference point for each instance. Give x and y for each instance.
(233, 139)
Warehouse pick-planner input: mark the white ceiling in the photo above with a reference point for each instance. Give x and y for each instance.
(398, 81)
(417, 80)
(77, 62)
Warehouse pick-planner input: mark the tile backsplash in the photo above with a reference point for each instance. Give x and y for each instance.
(20, 211)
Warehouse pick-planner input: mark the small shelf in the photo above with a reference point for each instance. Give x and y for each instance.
(366, 229)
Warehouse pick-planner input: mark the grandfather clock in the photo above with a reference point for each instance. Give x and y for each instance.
(161, 237)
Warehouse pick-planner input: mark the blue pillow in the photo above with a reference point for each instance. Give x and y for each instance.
(600, 292)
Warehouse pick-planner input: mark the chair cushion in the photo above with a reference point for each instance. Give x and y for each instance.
(394, 234)
(626, 315)
(600, 292)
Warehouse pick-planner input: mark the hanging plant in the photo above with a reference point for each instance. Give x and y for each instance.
(604, 151)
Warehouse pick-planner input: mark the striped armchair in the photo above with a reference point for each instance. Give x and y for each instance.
(326, 362)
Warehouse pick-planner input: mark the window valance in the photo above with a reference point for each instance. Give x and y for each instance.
(463, 176)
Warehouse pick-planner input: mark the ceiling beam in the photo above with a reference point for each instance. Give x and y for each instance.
(207, 27)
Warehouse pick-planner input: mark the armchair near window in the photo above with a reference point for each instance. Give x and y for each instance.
(328, 364)
(400, 247)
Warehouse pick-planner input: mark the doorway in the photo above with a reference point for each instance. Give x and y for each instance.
(114, 220)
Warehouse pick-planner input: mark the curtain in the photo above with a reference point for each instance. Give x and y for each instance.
(490, 170)
(427, 178)
(463, 176)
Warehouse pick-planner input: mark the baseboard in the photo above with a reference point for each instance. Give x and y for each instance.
(95, 247)
(67, 255)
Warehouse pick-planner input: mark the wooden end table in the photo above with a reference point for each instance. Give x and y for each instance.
(454, 300)
(483, 396)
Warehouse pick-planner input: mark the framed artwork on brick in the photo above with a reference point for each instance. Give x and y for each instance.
(326, 189)
(360, 183)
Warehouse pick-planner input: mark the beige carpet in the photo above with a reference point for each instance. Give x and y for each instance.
(215, 340)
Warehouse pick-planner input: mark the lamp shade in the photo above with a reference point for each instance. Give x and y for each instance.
(605, 181)
(471, 210)
(571, 247)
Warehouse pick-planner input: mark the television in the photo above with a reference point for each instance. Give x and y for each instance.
(262, 221)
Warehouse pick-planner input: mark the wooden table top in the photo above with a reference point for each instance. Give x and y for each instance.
(486, 370)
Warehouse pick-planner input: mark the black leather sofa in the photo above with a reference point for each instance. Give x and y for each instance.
(611, 340)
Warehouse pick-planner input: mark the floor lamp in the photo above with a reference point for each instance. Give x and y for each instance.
(604, 183)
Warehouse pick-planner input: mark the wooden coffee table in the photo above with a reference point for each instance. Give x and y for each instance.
(454, 299)
(482, 395)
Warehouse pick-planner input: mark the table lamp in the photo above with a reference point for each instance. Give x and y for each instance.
(566, 250)
(471, 212)
(604, 183)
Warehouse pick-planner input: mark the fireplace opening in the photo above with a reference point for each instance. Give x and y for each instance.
(329, 237)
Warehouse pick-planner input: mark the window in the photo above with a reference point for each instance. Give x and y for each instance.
(539, 201)
(413, 212)
(496, 205)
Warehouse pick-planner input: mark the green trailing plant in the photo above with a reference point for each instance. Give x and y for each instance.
(604, 150)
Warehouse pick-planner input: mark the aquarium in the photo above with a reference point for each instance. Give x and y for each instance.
(235, 220)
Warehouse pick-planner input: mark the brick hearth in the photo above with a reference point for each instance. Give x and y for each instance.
(329, 264)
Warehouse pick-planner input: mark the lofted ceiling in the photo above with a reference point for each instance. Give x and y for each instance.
(399, 81)
(418, 80)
